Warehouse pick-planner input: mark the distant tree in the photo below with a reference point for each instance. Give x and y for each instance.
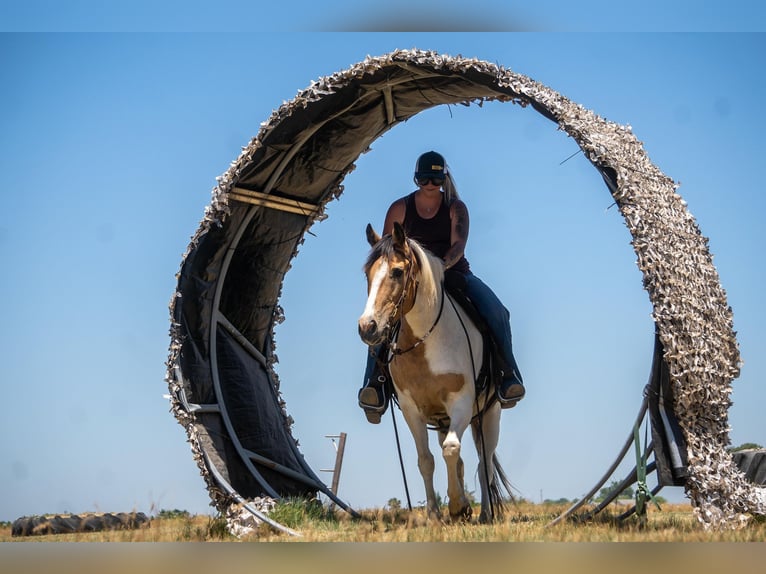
(745, 446)
(610, 488)
(557, 501)
(175, 513)
(394, 504)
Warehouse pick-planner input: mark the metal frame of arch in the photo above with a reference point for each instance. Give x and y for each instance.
(223, 387)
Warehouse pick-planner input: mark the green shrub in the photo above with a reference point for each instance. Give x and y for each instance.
(294, 512)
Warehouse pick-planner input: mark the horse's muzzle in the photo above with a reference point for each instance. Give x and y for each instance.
(370, 332)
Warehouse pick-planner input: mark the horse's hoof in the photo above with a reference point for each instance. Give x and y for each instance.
(435, 516)
(462, 515)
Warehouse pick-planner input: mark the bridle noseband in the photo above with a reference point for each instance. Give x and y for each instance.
(396, 350)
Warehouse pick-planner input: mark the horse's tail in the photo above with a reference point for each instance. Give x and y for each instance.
(500, 491)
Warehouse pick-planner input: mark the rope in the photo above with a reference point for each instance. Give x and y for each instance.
(479, 412)
(401, 460)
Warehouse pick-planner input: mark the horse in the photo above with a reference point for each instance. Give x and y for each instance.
(435, 352)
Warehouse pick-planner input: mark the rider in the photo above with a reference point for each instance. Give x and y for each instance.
(437, 218)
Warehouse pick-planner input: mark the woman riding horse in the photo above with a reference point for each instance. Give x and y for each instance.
(436, 347)
(437, 218)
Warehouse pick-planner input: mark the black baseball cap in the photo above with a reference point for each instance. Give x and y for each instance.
(430, 164)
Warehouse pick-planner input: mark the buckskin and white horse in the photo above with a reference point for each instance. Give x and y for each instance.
(436, 352)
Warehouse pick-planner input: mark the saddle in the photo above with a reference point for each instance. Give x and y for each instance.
(491, 368)
(491, 363)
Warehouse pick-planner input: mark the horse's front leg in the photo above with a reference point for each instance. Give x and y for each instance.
(459, 505)
(419, 432)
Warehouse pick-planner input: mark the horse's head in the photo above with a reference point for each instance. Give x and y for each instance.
(390, 269)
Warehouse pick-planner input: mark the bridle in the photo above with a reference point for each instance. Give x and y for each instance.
(395, 349)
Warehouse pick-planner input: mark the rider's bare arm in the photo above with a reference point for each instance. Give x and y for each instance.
(395, 214)
(459, 233)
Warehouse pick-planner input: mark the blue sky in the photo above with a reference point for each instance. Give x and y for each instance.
(110, 146)
(393, 15)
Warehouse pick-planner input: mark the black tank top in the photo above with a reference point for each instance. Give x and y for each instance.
(434, 233)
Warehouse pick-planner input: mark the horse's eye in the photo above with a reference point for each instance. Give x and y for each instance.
(397, 273)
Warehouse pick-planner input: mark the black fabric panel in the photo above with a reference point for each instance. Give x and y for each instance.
(312, 170)
(264, 161)
(543, 111)
(197, 279)
(256, 419)
(193, 309)
(610, 177)
(669, 443)
(753, 464)
(254, 278)
(195, 366)
(214, 441)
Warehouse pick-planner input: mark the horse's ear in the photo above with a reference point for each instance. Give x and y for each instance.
(398, 234)
(372, 237)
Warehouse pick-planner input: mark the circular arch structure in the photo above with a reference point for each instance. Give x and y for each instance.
(223, 387)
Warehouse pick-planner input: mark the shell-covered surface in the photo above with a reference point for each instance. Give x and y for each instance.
(308, 145)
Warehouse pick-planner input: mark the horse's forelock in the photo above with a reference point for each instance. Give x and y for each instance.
(385, 247)
(382, 248)
(431, 267)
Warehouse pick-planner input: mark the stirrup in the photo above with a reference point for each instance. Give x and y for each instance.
(373, 411)
(510, 402)
(373, 417)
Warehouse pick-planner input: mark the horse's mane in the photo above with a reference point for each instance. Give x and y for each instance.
(431, 267)
(431, 272)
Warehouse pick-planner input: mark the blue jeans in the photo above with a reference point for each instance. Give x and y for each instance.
(371, 370)
(498, 318)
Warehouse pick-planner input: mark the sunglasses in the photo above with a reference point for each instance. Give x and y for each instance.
(434, 180)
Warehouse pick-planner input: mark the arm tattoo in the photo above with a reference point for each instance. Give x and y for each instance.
(455, 252)
(461, 222)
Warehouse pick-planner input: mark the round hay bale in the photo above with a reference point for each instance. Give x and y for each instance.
(69, 523)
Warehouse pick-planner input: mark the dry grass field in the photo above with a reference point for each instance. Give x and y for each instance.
(334, 543)
(525, 522)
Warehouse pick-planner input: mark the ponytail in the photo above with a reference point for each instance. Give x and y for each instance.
(449, 187)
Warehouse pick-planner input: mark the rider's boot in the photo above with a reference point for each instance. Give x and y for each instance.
(510, 387)
(373, 397)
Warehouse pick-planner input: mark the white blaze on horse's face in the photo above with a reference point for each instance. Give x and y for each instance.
(385, 283)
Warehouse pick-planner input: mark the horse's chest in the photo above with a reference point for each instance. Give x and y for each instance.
(428, 389)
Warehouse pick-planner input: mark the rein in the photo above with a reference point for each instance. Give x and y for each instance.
(479, 412)
(395, 350)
